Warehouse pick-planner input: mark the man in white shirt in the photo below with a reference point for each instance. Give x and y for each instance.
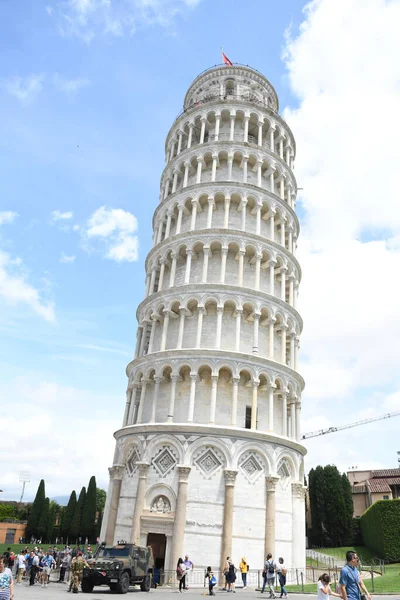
(20, 566)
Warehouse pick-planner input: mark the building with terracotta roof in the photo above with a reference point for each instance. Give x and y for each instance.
(370, 486)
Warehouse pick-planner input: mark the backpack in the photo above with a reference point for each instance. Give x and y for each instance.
(179, 571)
(271, 567)
(283, 571)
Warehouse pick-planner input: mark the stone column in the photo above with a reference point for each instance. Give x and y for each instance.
(271, 264)
(241, 267)
(227, 525)
(224, 254)
(190, 136)
(154, 320)
(127, 406)
(142, 400)
(271, 331)
(132, 404)
(189, 254)
(292, 340)
(246, 130)
(230, 163)
(180, 517)
(298, 526)
(256, 322)
(167, 184)
(139, 502)
(243, 205)
(271, 142)
(226, 211)
(193, 380)
(220, 312)
(174, 182)
(199, 167)
(217, 122)
(245, 159)
(179, 142)
(199, 325)
(254, 406)
(213, 404)
(170, 416)
(271, 390)
(164, 331)
(214, 166)
(283, 283)
(239, 312)
(173, 269)
(296, 349)
(156, 393)
(206, 254)
(152, 280)
(182, 315)
(283, 232)
(235, 390)
(194, 214)
(258, 272)
(232, 129)
(258, 220)
(259, 173)
(284, 413)
(116, 473)
(283, 344)
(162, 271)
(143, 340)
(272, 226)
(291, 288)
(139, 334)
(211, 203)
(270, 516)
(186, 173)
(260, 126)
(292, 412)
(298, 414)
(179, 221)
(203, 129)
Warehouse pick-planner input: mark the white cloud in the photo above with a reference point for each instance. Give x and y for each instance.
(57, 215)
(87, 18)
(67, 259)
(69, 86)
(15, 290)
(115, 227)
(53, 453)
(25, 89)
(7, 216)
(349, 248)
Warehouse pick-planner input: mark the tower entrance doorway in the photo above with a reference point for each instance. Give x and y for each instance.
(158, 543)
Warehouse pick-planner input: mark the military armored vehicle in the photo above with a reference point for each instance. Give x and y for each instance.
(119, 567)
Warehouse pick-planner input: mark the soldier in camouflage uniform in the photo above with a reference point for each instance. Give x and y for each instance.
(77, 565)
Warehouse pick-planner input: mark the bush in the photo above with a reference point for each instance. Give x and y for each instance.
(380, 527)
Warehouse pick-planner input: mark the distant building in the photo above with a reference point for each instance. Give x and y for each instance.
(370, 486)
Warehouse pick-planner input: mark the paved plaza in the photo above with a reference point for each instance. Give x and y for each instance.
(58, 590)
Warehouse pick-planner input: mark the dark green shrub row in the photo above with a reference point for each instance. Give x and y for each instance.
(380, 528)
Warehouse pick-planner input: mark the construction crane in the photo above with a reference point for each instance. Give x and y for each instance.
(312, 434)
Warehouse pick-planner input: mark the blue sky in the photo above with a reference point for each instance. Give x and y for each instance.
(89, 89)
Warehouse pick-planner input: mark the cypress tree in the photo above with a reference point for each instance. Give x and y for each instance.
(67, 516)
(36, 510)
(88, 527)
(334, 507)
(317, 504)
(44, 520)
(76, 523)
(53, 512)
(349, 510)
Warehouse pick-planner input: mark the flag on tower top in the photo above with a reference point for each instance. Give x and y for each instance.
(226, 59)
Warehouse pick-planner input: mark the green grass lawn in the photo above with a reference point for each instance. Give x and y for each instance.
(340, 553)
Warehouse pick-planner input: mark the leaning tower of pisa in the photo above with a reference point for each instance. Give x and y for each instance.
(208, 460)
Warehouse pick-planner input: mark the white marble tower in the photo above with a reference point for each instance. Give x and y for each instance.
(208, 460)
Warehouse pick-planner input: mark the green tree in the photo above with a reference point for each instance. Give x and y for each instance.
(88, 526)
(67, 516)
(100, 500)
(317, 504)
(44, 520)
(76, 523)
(36, 511)
(334, 507)
(54, 512)
(349, 510)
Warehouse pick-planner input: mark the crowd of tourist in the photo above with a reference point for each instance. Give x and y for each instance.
(35, 566)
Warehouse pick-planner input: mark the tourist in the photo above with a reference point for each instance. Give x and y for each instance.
(352, 586)
(189, 567)
(6, 580)
(324, 588)
(269, 575)
(244, 569)
(21, 562)
(65, 565)
(181, 574)
(48, 561)
(211, 581)
(34, 568)
(230, 575)
(281, 572)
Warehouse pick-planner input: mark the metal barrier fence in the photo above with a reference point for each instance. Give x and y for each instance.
(197, 578)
